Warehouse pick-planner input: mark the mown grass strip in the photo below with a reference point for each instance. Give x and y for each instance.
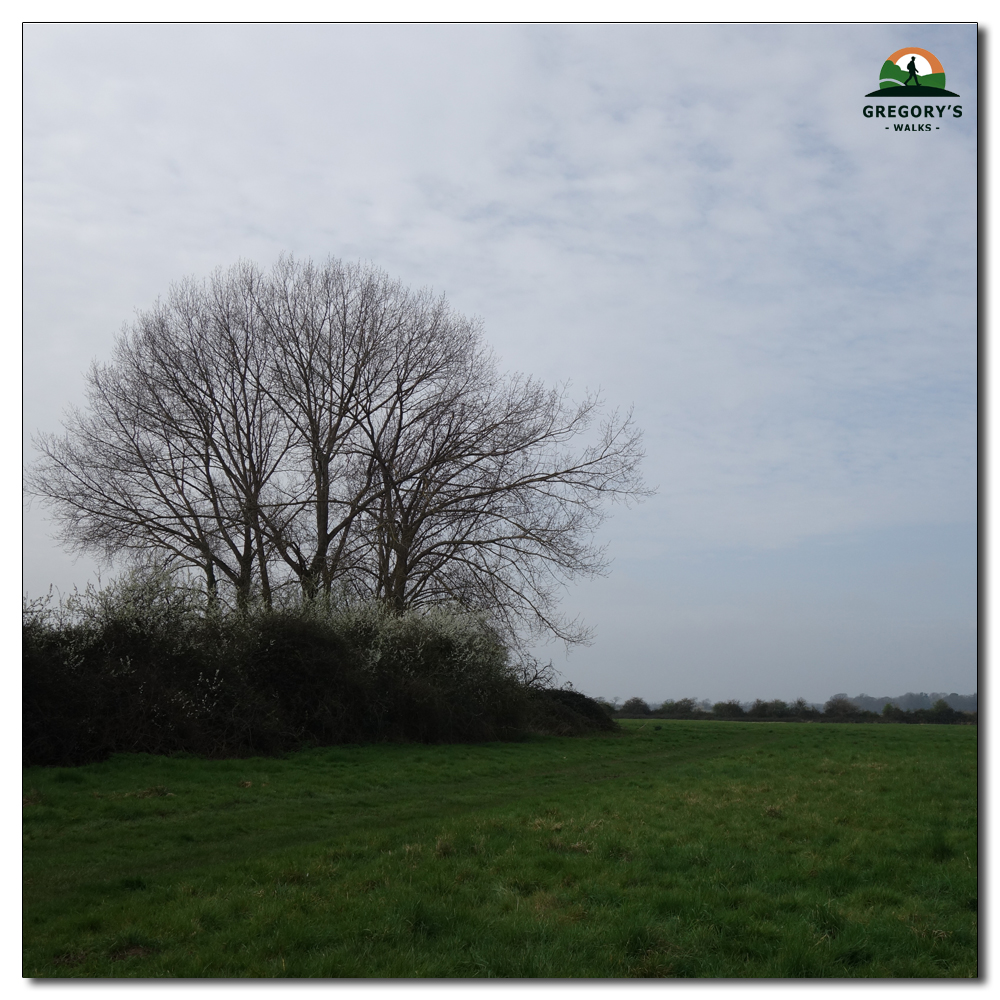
(677, 849)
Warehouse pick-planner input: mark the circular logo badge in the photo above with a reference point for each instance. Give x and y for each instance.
(915, 72)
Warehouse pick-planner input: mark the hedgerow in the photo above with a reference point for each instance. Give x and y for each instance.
(144, 666)
(835, 710)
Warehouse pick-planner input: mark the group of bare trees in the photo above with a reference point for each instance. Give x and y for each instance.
(325, 429)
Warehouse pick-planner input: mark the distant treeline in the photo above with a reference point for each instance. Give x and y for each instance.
(910, 701)
(141, 667)
(840, 708)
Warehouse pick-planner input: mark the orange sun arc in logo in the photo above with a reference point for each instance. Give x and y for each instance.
(936, 66)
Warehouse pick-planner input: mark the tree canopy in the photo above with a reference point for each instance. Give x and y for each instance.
(322, 429)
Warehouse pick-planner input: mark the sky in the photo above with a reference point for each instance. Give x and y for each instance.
(698, 219)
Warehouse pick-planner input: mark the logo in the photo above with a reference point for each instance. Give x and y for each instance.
(917, 76)
(913, 73)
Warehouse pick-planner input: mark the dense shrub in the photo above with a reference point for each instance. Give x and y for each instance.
(563, 712)
(141, 667)
(609, 707)
(132, 667)
(686, 708)
(801, 709)
(776, 709)
(941, 712)
(841, 709)
(728, 710)
(634, 708)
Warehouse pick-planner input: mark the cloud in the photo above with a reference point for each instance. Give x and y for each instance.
(696, 217)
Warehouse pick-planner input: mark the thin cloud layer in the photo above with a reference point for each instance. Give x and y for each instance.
(697, 218)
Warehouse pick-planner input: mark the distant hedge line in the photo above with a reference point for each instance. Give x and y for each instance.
(835, 710)
(140, 667)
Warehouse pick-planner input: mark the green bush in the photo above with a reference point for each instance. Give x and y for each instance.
(801, 709)
(562, 712)
(122, 669)
(941, 712)
(728, 710)
(840, 709)
(141, 666)
(683, 709)
(634, 708)
(776, 709)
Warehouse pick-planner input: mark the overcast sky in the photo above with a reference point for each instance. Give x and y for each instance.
(698, 219)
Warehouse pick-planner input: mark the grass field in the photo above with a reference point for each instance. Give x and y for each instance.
(685, 849)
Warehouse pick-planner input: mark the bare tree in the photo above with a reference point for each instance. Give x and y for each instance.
(328, 329)
(180, 450)
(327, 426)
(485, 504)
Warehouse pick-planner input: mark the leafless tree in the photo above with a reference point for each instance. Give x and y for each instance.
(484, 503)
(324, 425)
(333, 333)
(180, 451)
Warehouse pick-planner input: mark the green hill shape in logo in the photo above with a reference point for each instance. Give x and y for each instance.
(893, 78)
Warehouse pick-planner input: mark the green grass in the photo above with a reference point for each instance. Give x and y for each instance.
(687, 849)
